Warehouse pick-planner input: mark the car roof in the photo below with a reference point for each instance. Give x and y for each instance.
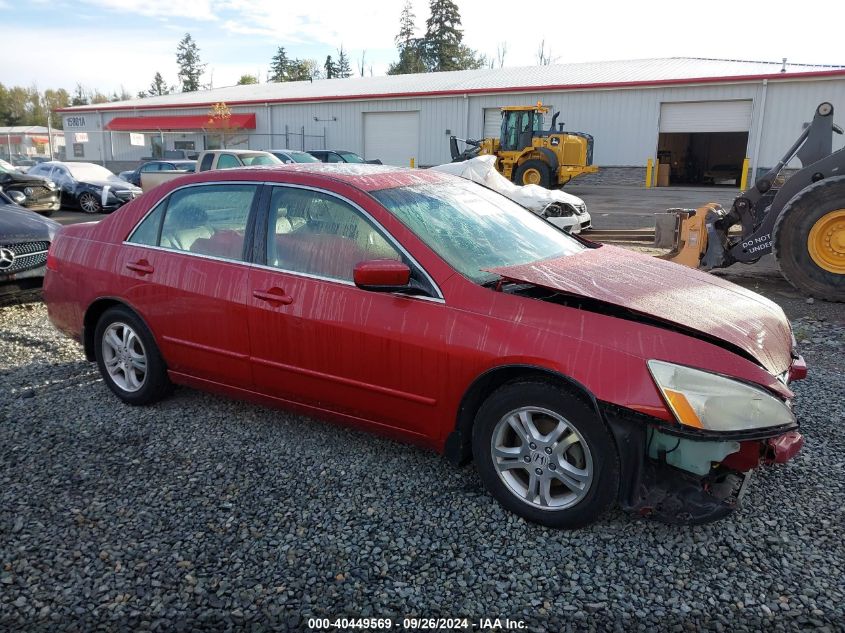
(362, 176)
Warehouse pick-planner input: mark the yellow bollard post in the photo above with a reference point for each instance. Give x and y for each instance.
(412, 162)
(648, 168)
(743, 182)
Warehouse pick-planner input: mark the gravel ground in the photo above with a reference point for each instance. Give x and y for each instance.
(205, 513)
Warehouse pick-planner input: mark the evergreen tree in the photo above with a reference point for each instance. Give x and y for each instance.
(443, 47)
(344, 70)
(279, 66)
(330, 68)
(158, 87)
(410, 47)
(190, 67)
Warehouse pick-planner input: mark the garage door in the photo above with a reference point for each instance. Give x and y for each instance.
(492, 122)
(393, 137)
(706, 116)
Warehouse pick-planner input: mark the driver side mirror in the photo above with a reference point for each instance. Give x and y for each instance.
(382, 275)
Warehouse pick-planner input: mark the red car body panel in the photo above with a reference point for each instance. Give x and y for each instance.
(658, 288)
(398, 363)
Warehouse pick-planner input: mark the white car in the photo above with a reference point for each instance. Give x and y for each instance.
(562, 209)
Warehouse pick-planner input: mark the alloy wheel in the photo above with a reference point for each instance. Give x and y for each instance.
(89, 203)
(124, 357)
(542, 459)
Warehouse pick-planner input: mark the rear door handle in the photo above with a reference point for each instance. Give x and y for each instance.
(274, 295)
(141, 267)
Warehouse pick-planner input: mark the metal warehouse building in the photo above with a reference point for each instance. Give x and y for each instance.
(696, 114)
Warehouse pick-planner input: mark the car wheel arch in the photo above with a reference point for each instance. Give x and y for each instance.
(92, 315)
(458, 446)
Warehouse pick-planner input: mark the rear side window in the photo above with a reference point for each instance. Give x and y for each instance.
(206, 162)
(206, 220)
(147, 231)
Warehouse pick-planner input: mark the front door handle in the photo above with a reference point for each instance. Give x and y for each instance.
(141, 267)
(274, 295)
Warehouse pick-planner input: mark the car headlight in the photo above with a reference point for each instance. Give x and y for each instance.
(50, 184)
(712, 402)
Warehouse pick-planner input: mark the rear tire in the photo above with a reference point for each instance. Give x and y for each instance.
(545, 454)
(128, 358)
(533, 172)
(809, 240)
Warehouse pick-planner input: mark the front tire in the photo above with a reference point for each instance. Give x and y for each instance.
(809, 240)
(89, 203)
(128, 358)
(545, 454)
(533, 172)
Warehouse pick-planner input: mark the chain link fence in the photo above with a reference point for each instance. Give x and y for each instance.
(120, 151)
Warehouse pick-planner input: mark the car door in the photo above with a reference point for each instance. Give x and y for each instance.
(188, 260)
(319, 340)
(65, 183)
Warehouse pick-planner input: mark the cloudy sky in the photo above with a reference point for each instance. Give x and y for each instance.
(106, 44)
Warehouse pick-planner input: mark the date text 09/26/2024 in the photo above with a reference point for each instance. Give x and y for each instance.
(416, 624)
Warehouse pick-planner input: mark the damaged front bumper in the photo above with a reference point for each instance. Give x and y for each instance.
(680, 477)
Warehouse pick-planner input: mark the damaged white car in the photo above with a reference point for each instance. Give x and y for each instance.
(562, 209)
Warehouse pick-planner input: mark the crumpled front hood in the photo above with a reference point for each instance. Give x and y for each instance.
(688, 298)
(22, 179)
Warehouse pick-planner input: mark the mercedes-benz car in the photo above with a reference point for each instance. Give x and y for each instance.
(25, 238)
(87, 186)
(37, 193)
(427, 307)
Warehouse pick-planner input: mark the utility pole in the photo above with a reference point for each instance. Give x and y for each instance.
(50, 134)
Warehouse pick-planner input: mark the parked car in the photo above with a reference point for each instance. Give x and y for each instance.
(213, 160)
(428, 307)
(25, 238)
(38, 193)
(133, 176)
(340, 156)
(293, 156)
(87, 186)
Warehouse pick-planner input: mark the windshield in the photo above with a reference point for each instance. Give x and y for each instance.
(259, 159)
(474, 229)
(351, 157)
(303, 157)
(6, 168)
(89, 171)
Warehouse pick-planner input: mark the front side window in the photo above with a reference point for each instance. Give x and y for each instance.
(351, 157)
(227, 161)
(206, 220)
(318, 234)
(474, 229)
(334, 158)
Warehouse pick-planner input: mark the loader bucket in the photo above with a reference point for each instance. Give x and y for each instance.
(684, 231)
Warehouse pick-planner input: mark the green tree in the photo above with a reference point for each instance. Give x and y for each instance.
(443, 47)
(190, 66)
(246, 80)
(279, 66)
(80, 96)
(157, 88)
(410, 47)
(330, 68)
(344, 70)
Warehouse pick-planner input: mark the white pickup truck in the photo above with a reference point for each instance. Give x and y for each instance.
(213, 159)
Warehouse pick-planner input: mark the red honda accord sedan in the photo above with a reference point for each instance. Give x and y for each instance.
(427, 307)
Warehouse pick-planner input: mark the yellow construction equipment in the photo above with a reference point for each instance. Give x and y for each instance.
(527, 154)
(801, 220)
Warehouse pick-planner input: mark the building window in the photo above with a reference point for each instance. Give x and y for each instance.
(79, 150)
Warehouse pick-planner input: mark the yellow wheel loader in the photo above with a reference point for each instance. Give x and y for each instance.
(801, 221)
(527, 154)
